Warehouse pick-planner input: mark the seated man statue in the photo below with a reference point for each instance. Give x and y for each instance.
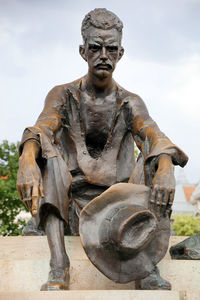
(83, 143)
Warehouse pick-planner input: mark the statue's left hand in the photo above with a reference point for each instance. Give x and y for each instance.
(163, 185)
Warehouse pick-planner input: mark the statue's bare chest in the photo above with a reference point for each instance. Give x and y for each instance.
(97, 117)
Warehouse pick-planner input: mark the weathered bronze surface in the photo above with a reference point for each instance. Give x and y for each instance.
(83, 143)
(187, 249)
(31, 230)
(121, 236)
(153, 282)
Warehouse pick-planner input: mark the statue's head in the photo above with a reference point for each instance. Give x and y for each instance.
(102, 33)
(103, 19)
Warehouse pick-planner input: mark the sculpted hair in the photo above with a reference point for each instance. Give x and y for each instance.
(100, 18)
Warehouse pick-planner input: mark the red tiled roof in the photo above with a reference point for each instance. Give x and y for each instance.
(188, 190)
(4, 177)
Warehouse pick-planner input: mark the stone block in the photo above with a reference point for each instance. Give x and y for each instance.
(24, 266)
(92, 295)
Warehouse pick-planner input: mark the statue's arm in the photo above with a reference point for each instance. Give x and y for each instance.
(29, 179)
(38, 141)
(160, 154)
(48, 124)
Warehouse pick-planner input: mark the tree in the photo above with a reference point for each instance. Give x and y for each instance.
(10, 204)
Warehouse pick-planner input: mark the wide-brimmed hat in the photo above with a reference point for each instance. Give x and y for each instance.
(120, 235)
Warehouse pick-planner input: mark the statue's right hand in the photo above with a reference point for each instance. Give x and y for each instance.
(29, 183)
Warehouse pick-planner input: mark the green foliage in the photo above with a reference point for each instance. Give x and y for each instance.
(10, 204)
(136, 151)
(186, 225)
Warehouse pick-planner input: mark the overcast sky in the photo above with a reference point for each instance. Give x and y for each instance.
(39, 43)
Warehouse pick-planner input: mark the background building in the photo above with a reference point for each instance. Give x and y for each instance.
(183, 194)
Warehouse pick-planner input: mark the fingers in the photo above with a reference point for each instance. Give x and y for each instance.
(19, 192)
(29, 184)
(170, 202)
(171, 198)
(161, 200)
(153, 200)
(165, 200)
(159, 197)
(41, 190)
(37, 191)
(35, 198)
(29, 194)
(28, 204)
(26, 193)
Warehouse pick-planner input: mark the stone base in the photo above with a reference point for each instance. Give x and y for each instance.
(94, 295)
(24, 267)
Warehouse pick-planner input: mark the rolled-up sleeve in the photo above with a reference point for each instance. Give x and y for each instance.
(150, 140)
(49, 123)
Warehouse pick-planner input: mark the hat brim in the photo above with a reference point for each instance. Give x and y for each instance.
(108, 261)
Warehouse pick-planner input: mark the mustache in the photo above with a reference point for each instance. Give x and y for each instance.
(109, 65)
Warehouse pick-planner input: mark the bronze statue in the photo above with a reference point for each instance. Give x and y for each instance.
(187, 249)
(83, 143)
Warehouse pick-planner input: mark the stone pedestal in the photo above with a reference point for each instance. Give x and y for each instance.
(24, 266)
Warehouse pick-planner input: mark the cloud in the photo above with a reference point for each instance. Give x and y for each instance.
(186, 95)
(171, 93)
(39, 49)
(162, 30)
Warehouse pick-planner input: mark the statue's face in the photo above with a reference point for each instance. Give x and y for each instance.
(102, 51)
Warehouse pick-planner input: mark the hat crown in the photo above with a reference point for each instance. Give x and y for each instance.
(122, 229)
